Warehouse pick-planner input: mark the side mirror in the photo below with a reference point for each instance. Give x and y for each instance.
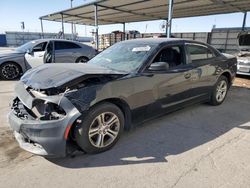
(159, 66)
(29, 51)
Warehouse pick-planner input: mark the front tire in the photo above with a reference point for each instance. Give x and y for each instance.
(220, 91)
(100, 129)
(10, 71)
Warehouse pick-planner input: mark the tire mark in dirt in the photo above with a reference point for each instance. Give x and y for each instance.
(10, 152)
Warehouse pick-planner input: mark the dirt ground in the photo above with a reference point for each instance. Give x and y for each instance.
(242, 81)
(200, 146)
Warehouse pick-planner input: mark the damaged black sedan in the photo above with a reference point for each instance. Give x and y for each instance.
(58, 106)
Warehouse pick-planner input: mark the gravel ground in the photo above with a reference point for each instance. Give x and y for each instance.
(200, 146)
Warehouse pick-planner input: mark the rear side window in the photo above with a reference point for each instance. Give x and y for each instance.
(61, 45)
(197, 52)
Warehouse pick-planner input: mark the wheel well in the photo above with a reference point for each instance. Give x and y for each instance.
(228, 76)
(124, 108)
(120, 104)
(82, 57)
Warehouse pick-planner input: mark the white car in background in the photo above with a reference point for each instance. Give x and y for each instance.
(243, 58)
(14, 63)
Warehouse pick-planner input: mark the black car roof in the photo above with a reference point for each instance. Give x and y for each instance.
(160, 41)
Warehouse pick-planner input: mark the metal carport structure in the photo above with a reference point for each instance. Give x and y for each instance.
(103, 12)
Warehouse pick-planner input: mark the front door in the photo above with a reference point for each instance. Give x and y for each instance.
(35, 57)
(175, 85)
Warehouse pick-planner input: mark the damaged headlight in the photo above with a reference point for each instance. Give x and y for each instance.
(45, 110)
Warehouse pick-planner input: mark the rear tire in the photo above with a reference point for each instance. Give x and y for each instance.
(220, 91)
(100, 129)
(10, 71)
(82, 60)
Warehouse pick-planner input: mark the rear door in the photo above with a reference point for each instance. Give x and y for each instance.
(202, 59)
(66, 52)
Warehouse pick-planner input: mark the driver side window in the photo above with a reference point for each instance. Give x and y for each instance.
(172, 55)
(40, 47)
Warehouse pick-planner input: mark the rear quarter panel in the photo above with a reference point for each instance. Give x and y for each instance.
(224, 63)
(231, 64)
(87, 51)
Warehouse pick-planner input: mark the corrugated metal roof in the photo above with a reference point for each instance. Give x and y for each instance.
(120, 11)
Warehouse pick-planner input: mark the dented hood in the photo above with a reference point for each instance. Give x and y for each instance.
(55, 75)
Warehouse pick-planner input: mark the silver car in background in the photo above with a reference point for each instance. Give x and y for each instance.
(243, 58)
(14, 63)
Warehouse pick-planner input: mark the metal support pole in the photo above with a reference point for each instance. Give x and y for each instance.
(244, 21)
(124, 34)
(41, 20)
(72, 25)
(96, 27)
(75, 30)
(170, 15)
(226, 43)
(166, 27)
(62, 27)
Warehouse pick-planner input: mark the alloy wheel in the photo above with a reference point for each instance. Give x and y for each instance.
(221, 91)
(10, 71)
(104, 129)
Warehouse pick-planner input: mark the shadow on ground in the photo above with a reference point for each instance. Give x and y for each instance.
(243, 76)
(173, 134)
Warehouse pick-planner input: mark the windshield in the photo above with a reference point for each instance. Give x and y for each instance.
(26, 46)
(125, 57)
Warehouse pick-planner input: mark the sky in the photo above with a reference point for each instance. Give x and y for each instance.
(12, 12)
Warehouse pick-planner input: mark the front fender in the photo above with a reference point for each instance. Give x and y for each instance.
(18, 60)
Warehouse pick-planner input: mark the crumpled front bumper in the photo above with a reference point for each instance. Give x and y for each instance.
(42, 137)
